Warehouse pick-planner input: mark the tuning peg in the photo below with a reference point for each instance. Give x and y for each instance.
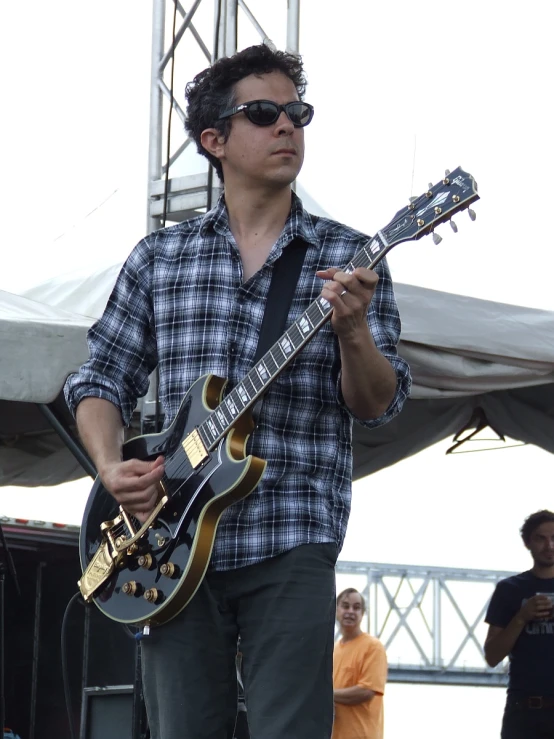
(471, 214)
(413, 198)
(453, 226)
(436, 238)
(430, 186)
(446, 172)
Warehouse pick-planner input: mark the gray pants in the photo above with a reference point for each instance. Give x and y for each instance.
(284, 611)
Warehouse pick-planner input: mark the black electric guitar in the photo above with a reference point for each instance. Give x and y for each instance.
(147, 573)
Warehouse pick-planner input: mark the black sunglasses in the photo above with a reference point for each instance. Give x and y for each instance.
(266, 112)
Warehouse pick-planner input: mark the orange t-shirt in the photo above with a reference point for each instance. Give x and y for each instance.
(360, 661)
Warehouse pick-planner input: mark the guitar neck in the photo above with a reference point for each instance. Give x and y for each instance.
(455, 192)
(246, 394)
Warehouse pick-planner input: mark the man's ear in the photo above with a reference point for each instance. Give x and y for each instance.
(213, 142)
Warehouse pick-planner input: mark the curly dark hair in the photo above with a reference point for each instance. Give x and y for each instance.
(213, 90)
(533, 522)
(349, 591)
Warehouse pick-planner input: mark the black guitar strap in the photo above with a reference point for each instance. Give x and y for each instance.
(284, 279)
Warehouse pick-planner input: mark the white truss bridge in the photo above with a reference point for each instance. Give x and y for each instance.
(430, 620)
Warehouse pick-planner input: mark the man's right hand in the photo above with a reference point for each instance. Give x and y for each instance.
(536, 608)
(135, 485)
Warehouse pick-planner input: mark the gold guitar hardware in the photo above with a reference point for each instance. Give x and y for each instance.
(168, 569)
(160, 540)
(145, 561)
(194, 448)
(98, 571)
(131, 587)
(152, 595)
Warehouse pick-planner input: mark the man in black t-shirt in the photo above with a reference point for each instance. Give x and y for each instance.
(521, 625)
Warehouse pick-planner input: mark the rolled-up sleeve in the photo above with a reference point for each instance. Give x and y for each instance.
(122, 344)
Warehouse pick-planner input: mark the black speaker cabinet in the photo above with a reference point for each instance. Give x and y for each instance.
(107, 713)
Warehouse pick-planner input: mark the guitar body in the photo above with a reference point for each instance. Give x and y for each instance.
(182, 534)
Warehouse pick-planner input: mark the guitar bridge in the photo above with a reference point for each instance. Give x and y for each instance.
(114, 548)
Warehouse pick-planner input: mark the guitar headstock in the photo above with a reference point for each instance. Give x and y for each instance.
(455, 192)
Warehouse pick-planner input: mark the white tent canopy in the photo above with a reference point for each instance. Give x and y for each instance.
(464, 354)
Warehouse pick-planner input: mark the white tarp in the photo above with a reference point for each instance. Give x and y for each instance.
(464, 353)
(39, 346)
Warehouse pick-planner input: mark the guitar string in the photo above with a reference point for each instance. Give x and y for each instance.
(359, 260)
(183, 464)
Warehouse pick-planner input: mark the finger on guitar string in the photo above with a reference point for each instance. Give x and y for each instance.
(134, 484)
(133, 475)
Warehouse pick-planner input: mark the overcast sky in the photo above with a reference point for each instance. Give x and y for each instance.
(401, 92)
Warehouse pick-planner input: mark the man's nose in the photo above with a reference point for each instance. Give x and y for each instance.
(284, 124)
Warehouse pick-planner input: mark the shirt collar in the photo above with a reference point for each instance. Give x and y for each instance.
(299, 223)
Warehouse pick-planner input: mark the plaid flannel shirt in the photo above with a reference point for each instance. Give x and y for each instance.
(180, 303)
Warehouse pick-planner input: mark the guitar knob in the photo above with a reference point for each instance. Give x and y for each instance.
(454, 227)
(471, 214)
(131, 588)
(152, 595)
(145, 561)
(169, 569)
(436, 238)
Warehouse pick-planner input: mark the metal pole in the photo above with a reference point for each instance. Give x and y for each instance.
(293, 26)
(437, 661)
(2, 652)
(6, 563)
(138, 698)
(230, 28)
(86, 649)
(156, 107)
(36, 649)
(73, 446)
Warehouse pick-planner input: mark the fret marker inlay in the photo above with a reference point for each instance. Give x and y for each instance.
(262, 371)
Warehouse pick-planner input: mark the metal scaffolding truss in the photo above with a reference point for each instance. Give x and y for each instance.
(430, 620)
(185, 41)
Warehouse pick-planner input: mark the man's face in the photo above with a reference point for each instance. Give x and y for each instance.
(541, 545)
(263, 154)
(350, 611)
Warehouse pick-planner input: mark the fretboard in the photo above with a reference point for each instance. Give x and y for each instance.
(254, 385)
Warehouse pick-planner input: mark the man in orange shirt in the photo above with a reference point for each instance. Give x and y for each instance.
(359, 674)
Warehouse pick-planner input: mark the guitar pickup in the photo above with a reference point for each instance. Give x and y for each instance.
(195, 449)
